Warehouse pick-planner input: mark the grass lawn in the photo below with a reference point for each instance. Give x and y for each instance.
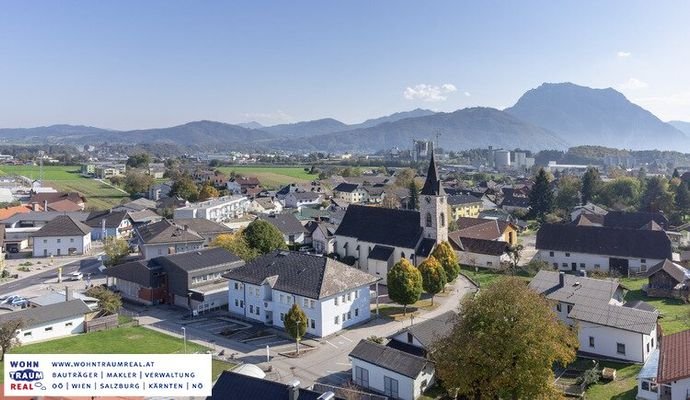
(395, 311)
(623, 388)
(485, 276)
(131, 340)
(68, 178)
(273, 177)
(675, 314)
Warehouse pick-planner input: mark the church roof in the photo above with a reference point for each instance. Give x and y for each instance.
(432, 185)
(385, 226)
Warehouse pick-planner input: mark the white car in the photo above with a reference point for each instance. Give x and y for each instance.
(76, 276)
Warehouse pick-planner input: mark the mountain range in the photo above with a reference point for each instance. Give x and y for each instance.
(552, 116)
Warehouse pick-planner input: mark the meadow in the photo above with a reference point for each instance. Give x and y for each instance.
(272, 177)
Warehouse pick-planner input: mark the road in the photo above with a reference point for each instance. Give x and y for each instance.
(41, 278)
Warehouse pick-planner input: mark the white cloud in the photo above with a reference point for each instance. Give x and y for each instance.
(468, 94)
(624, 54)
(429, 93)
(278, 116)
(633, 84)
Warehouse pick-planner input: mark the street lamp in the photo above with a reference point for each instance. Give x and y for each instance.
(184, 338)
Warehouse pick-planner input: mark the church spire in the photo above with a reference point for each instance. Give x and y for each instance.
(432, 185)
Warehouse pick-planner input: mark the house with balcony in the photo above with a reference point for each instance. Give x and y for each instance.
(333, 295)
(222, 209)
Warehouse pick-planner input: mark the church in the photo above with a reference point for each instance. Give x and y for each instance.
(379, 237)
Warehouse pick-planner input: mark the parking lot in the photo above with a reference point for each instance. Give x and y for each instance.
(218, 325)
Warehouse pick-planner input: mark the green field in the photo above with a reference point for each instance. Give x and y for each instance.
(624, 387)
(68, 178)
(675, 315)
(131, 340)
(273, 177)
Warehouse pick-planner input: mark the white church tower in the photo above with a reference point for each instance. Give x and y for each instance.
(433, 207)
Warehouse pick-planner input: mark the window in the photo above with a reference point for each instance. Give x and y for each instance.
(564, 265)
(349, 315)
(241, 303)
(59, 240)
(647, 347)
(258, 310)
(410, 338)
(443, 219)
(390, 387)
(71, 240)
(362, 377)
(582, 266)
(27, 334)
(551, 254)
(645, 385)
(558, 307)
(337, 320)
(282, 299)
(71, 323)
(597, 266)
(570, 308)
(344, 317)
(313, 324)
(643, 260)
(591, 341)
(237, 286)
(620, 348)
(45, 241)
(349, 297)
(356, 294)
(489, 264)
(48, 329)
(337, 300)
(652, 342)
(567, 254)
(237, 303)
(282, 316)
(428, 220)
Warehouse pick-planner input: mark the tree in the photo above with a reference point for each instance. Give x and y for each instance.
(263, 237)
(8, 335)
(541, 196)
(208, 192)
(449, 261)
(676, 174)
(656, 196)
(115, 250)
(140, 160)
(682, 199)
(404, 176)
(404, 283)
(136, 181)
(504, 344)
(620, 193)
(296, 324)
(590, 184)
(433, 276)
(109, 302)
(236, 244)
(413, 201)
(185, 188)
(515, 253)
(568, 195)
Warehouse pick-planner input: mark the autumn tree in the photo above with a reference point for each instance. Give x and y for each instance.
(236, 244)
(185, 188)
(541, 196)
(263, 237)
(404, 284)
(515, 254)
(136, 181)
(109, 301)
(404, 176)
(295, 322)
(445, 255)
(208, 192)
(115, 250)
(504, 345)
(433, 276)
(140, 160)
(8, 335)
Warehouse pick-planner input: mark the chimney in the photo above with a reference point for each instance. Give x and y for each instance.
(561, 279)
(68, 294)
(293, 389)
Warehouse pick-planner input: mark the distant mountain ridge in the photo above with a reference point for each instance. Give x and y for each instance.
(605, 117)
(681, 126)
(307, 128)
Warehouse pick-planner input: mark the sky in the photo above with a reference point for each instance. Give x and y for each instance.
(145, 64)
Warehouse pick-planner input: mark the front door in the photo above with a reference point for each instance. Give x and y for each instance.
(573, 266)
(619, 265)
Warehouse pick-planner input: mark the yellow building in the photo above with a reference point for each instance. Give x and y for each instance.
(463, 205)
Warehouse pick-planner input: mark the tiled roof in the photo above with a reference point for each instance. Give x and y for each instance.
(633, 220)
(430, 330)
(53, 312)
(64, 205)
(640, 305)
(194, 260)
(302, 274)
(480, 228)
(113, 219)
(477, 246)
(286, 223)
(605, 241)
(144, 216)
(432, 184)
(10, 211)
(306, 195)
(426, 246)
(45, 216)
(385, 226)
(576, 289)
(142, 272)
(63, 225)
(166, 231)
(202, 226)
(677, 272)
(515, 201)
(52, 197)
(459, 199)
(674, 358)
(346, 187)
(389, 358)
(233, 386)
(626, 318)
(381, 253)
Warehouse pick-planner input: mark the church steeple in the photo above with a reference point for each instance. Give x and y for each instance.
(432, 205)
(432, 185)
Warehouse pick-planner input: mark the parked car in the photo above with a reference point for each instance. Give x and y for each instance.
(19, 302)
(76, 276)
(9, 299)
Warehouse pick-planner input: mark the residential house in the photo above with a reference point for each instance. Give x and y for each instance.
(606, 326)
(487, 229)
(232, 385)
(243, 185)
(50, 321)
(117, 224)
(515, 204)
(57, 201)
(266, 205)
(8, 212)
(293, 231)
(587, 209)
(208, 229)
(572, 247)
(159, 191)
(333, 295)
(666, 374)
(487, 203)
(137, 205)
(668, 279)
(379, 237)
(392, 372)
(462, 205)
(375, 193)
(165, 238)
(61, 297)
(105, 171)
(351, 193)
(301, 199)
(62, 236)
(144, 217)
(634, 220)
(156, 170)
(322, 236)
(221, 209)
(418, 339)
(193, 280)
(483, 253)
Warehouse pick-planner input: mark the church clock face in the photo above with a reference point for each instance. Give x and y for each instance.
(428, 199)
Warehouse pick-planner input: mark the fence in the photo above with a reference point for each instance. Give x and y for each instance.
(346, 393)
(101, 323)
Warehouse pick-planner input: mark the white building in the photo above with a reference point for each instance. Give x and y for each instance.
(49, 322)
(666, 374)
(266, 205)
(165, 237)
(606, 326)
(300, 199)
(293, 231)
(393, 372)
(62, 236)
(574, 247)
(333, 295)
(219, 210)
